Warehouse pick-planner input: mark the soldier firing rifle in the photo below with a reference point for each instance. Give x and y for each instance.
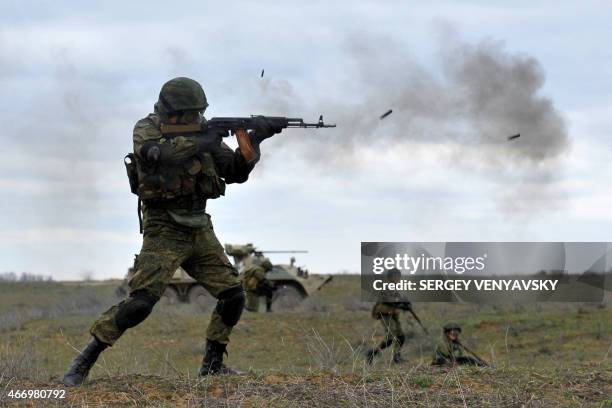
(180, 162)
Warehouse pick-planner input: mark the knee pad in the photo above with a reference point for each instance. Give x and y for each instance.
(134, 310)
(401, 339)
(230, 305)
(385, 343)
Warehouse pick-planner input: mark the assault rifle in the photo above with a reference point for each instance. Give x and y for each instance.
(240, 125)
(407, 306)
(479, 360)
(234, 124)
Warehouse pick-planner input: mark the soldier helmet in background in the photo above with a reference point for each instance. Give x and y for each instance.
(451, 326)
(239, 250)
(182, 95)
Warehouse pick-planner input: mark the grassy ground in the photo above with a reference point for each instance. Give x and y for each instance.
(541, 354)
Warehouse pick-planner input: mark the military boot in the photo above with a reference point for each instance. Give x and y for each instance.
(213, 360)
(79, 369)
(370, 354)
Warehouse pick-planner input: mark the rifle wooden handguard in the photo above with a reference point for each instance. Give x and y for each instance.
(246, 148)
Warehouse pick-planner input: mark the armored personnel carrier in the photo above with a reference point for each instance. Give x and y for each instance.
(292, 283)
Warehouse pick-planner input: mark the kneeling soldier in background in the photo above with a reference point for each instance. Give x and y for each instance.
(450, 351)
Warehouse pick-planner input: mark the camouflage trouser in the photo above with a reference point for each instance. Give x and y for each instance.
(166, 246)
(253, 298)
(393, 331)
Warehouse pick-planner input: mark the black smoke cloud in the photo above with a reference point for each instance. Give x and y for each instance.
(477, 96)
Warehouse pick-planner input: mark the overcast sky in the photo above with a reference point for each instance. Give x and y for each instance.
(459, 76)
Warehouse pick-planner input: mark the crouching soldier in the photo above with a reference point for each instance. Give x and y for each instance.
(450, 351)
(256, 284)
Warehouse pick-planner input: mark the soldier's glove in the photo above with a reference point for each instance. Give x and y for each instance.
(210, 139)
(263, 129)
(153, 154)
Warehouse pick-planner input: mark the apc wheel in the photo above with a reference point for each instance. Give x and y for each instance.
(199, 297)
(287, 297)
(170, 296)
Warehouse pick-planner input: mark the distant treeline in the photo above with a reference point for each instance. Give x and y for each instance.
(23, 277)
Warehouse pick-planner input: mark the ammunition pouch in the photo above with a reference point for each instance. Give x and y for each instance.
(209, 185)
(167, 181)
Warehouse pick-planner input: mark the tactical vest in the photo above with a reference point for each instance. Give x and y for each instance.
(197, 175)
(166, 181)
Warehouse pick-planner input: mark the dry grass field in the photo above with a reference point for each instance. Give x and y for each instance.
(541, 355)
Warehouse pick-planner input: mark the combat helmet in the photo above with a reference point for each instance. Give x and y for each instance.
(182, 95)
(240, 251)
(451, 326)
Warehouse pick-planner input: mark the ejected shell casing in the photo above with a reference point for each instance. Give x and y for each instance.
(387, 113)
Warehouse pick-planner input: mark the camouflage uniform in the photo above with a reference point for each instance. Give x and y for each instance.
(176, 236)
(178, 165)
(387, 310)
(256, 285)
(449, 352)
(388, 314)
